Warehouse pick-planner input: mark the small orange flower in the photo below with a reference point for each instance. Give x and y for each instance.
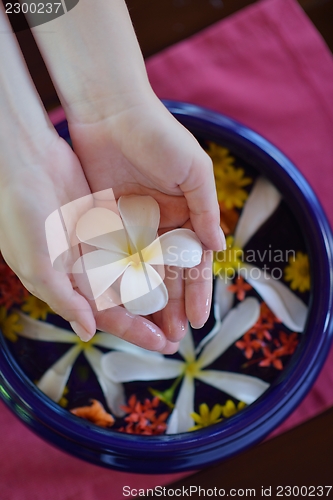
(240, 287)
(11, 289)
(288, 343)
(267, 315)
(95, 413)
(271, 359)
(248, 345)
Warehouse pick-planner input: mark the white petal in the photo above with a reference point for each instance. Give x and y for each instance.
(181, 420)
(92, 274)
(186, 346)
(113, 392)
(238, 321)
(102, 228)
(180, 247)
(216, 328)
(141, 218)
(101, 278)
(262, 202)
(223, 297)
(279, 298)
(142, 290)
(38, 330)
(242, 387)
(109, 341)
(54, 379)
(125, 367)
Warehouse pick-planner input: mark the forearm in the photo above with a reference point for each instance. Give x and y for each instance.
(24, 125)
(94, 59)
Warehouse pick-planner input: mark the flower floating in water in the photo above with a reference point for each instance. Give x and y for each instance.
(126, 367)
(95, 413)
(128, 248)
(142, 419)
(206, 417)
(36, 308)
(240, 288)
(10, 324)
(11, 289)
(230, 182)
(220, 156)
(298, 272)
(262, 202)
(249, 345)
(229, 408)
(54, 380)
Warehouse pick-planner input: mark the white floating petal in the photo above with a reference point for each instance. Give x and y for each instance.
(180, 247)
(102, 228)
(125, 367)
(181, 420)
(142, 290)
(141, 218)
(186, 346)
(242, 387)
(39, 330)
(261, 203)
(54, 379)
(238, 321)
(109, 341)
(223, 297)
(113, 392)
(280, 299)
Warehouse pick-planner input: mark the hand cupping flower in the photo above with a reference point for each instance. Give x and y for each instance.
(125, 246)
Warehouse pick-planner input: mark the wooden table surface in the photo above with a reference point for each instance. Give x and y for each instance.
(304, 455)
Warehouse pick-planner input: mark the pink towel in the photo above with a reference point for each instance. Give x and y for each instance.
(267, 67)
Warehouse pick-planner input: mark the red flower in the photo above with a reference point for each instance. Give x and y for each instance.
(240, 287)
(249, 345)
(11, 289)
(267, 315)
(271, 358)
(142, 419)
(260, 330)
(289, 343)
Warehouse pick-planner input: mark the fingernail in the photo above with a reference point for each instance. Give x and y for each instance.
(81, 332)
(223, 240)
(197, 327)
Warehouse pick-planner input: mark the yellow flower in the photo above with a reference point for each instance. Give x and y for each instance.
(298, 272)
(36, 308)
(229, 186)
(229, 408)
(226, 262)
(206, 417)
(220, 156)
(10, 324)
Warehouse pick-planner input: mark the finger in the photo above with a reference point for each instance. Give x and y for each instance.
(57, 291)
(198, 291)
(200, 192)
(173, 316)
(132, 328)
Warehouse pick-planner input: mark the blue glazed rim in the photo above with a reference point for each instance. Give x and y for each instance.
(190, 451)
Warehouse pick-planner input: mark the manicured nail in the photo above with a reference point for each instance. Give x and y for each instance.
(197, 327)
(81, 332)
(223, 240)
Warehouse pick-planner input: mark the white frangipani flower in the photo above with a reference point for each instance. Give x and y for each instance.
(126, 367)
(54, 380)
(127, 246)
(262, 202)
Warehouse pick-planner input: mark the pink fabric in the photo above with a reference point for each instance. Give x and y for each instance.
(267, 67)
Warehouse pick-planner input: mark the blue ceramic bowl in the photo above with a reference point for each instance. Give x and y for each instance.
(188, 451)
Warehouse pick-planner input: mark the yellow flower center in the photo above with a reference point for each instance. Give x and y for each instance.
(192, 368)
(229, 260)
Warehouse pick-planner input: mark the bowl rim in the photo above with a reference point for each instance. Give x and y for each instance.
(189, 451)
